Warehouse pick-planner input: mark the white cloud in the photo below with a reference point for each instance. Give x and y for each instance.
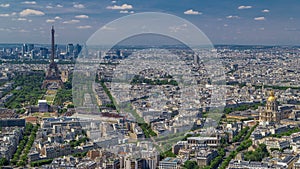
(82, 17)
(50, 20)
(225, 25)
(79, 6)
(261, 18)
(84, 27)
(71, 21)
(124, 11)
(122, 7)
(262, 29)
(59, 6)
(58, 18)
(49, 7)
(232, 17)
(291, 29)
(23, 31)
(22, 19)
(244, 7)
(29, 2)
(5, 29)
(27, 12)
(4, 15)
(4, 5)
(113, 2)
(192, 12)
(265, 11)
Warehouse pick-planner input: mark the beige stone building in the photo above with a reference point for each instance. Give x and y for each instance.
(270, 113)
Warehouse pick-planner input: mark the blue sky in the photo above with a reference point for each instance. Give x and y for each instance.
(268, 22)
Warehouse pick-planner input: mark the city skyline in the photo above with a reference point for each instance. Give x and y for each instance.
(183, 84)
(230, 22)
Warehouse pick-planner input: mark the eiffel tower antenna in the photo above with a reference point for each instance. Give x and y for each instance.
(52, 44)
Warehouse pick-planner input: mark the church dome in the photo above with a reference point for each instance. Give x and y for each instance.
(272, 97)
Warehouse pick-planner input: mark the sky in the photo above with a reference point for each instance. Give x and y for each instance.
(242, 22)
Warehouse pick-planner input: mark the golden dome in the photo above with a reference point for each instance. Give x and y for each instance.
(272, 97)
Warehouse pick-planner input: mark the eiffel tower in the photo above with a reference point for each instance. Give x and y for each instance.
(52, 79)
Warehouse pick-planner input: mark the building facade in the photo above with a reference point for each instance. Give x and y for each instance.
(270, 113)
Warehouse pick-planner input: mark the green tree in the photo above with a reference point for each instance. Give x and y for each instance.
(168, 153)
(40, 162)
(3, 161)
(190, 165)
(257, 155)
